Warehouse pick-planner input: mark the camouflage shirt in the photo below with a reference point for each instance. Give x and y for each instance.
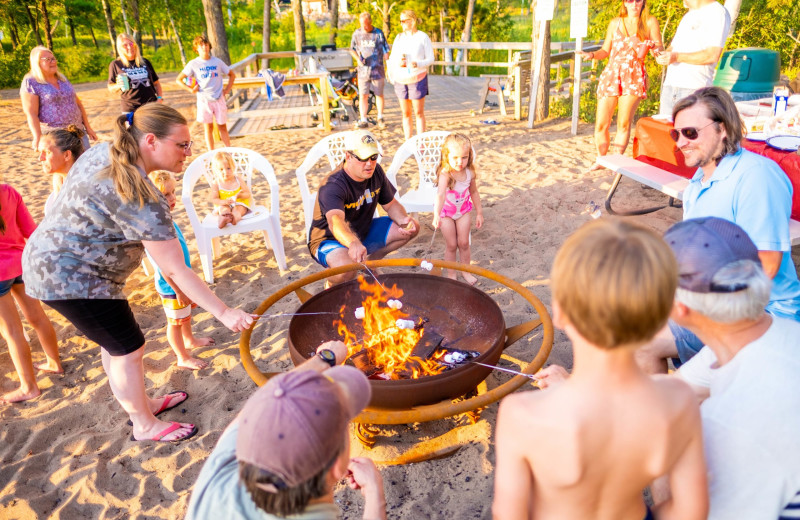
(90, 242)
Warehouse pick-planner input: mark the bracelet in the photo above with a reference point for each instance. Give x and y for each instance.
(159, 97)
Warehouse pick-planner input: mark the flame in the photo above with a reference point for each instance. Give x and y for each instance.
(387, 346)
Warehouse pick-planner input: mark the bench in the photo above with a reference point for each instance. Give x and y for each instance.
(666, 182)
(516, 85)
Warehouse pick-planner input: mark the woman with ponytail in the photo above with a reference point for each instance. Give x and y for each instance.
(58, 151)
(78, 259)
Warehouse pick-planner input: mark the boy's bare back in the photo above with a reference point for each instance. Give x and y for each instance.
(588, 448)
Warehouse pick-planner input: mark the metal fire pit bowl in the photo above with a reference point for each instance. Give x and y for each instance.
(466, 317)
(445, 408)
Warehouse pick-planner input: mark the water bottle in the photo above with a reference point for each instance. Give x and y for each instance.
(780, 100)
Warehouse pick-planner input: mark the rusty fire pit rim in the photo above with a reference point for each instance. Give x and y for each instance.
(427, 412)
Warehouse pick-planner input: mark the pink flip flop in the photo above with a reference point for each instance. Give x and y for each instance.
(170, 402)
(172, 427)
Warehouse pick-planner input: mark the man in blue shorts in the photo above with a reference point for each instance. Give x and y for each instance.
(343, 230)
(736, 185)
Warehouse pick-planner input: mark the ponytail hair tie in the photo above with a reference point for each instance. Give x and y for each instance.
(129, 117)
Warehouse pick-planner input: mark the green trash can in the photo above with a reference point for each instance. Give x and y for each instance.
(749, 73)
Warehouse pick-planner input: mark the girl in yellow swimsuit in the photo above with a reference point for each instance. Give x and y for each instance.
(229, 194)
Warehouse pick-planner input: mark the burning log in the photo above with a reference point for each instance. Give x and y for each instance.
(362, 362)
(427, 344)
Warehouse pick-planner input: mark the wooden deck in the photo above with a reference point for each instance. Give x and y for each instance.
(450, 97)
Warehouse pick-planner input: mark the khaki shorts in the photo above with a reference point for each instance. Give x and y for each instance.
(375, 84)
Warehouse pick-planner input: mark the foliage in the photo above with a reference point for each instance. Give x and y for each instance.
(14, 65)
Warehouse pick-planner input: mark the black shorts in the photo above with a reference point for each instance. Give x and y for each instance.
(109, 323)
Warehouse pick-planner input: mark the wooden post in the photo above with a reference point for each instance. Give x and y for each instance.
(577, 65)
(326, 114)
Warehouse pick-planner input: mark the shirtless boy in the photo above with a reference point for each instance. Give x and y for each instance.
(588, 447)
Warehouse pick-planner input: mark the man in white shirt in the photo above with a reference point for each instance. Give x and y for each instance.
(747, 372)
(694, 51)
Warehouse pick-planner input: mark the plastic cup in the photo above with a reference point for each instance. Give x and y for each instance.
(124, 82)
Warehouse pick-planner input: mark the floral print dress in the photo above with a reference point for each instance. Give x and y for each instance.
(624, 74)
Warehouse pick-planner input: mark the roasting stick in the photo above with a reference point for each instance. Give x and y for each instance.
(373, 276)
(510, 371)
(281, 315)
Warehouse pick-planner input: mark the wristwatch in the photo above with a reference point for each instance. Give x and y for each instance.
(327, 356)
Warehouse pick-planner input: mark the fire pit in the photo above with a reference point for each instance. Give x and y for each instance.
(446, 407)
(466, 318)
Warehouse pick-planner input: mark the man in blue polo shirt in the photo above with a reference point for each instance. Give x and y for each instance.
(736, 185)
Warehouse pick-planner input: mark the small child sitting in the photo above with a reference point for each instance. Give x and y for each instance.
(177, 306)
(587, 447)
(229, 192)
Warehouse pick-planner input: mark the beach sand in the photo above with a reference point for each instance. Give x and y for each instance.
(67, 454)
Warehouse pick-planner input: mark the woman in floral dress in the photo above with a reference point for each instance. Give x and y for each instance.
(624, 80)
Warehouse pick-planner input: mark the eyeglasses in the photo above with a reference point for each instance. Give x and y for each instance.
(187, 147)
(633, 1)
(48, 59)
(691, 133)
(373, 158)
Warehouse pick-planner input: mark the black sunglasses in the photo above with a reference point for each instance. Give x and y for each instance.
(691, 133)
(373, 158)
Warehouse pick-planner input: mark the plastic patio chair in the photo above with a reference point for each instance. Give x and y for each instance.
(331, 147)
(264, 219)
(426, 148)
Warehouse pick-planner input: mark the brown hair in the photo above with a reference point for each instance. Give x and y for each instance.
(644, 15)
(460, 140)
(615, 282)
(69, 139)
(152, 118)
(286, 501)
(200, 40)
(721, 109)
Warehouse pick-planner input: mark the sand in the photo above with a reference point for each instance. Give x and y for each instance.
(67, 454)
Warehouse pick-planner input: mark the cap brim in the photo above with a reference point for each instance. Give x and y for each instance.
(355, 385)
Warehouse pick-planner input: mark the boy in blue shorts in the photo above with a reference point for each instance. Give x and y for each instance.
(177, 306)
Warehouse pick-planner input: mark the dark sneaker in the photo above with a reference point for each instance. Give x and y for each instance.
(363, 124)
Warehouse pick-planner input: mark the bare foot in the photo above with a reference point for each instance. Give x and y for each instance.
(49, 368)
(596, 167)
(166, 432)
(192, 363)
(196, 342)
(452, 274)
(19, 395)
(224, 220)
(469, 278)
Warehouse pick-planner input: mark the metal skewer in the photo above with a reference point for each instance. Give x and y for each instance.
(510, 371)
(290, 314)
(373, 276)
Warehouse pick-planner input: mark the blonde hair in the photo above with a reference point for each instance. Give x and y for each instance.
(644, 15)
(138, 60)
(36, 66)
(152, 118)
(462, 141)
(615, 282)
(160, 178)
(410, 14)
(219, 158)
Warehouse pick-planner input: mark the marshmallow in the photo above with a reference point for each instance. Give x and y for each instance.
(404, 324)
(360, 313)
(426, 265)
(453, 358)
(394, 304)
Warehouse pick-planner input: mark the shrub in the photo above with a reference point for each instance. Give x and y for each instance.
(14, 66)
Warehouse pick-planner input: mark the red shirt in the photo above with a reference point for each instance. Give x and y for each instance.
(19, 226)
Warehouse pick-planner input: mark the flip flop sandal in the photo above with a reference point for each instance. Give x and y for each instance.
(165, 404)
(172, 427)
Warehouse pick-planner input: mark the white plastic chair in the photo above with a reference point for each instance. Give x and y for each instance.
(331, 147)
(426, 148)
(264, 219)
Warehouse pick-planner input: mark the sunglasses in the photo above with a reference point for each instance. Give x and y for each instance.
(691, 133)
(404, 20)
(373, 158)
(633, 1)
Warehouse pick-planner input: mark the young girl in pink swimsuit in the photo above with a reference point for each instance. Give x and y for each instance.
(457, 195)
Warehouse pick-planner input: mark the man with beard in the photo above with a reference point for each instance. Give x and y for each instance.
(736, 185)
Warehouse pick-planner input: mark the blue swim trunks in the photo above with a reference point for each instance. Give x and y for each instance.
(375, 239)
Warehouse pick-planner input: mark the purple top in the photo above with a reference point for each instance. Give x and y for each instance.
(58, 107)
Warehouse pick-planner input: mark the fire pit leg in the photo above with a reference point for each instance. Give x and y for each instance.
(473, 416)
(366, 433)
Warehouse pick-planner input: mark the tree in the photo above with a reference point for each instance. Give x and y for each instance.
(175, 31)
(137, 24)
(540, 38)
(466, 36)
(112, 33)
(46, 19)
(333, 7)
(215, 25)
(31, 21)
(299, 25)
(265, 32)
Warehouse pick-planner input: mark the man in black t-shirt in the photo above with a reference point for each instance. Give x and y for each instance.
(343, 230)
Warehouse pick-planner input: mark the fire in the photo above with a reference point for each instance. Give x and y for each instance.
(385, 347)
